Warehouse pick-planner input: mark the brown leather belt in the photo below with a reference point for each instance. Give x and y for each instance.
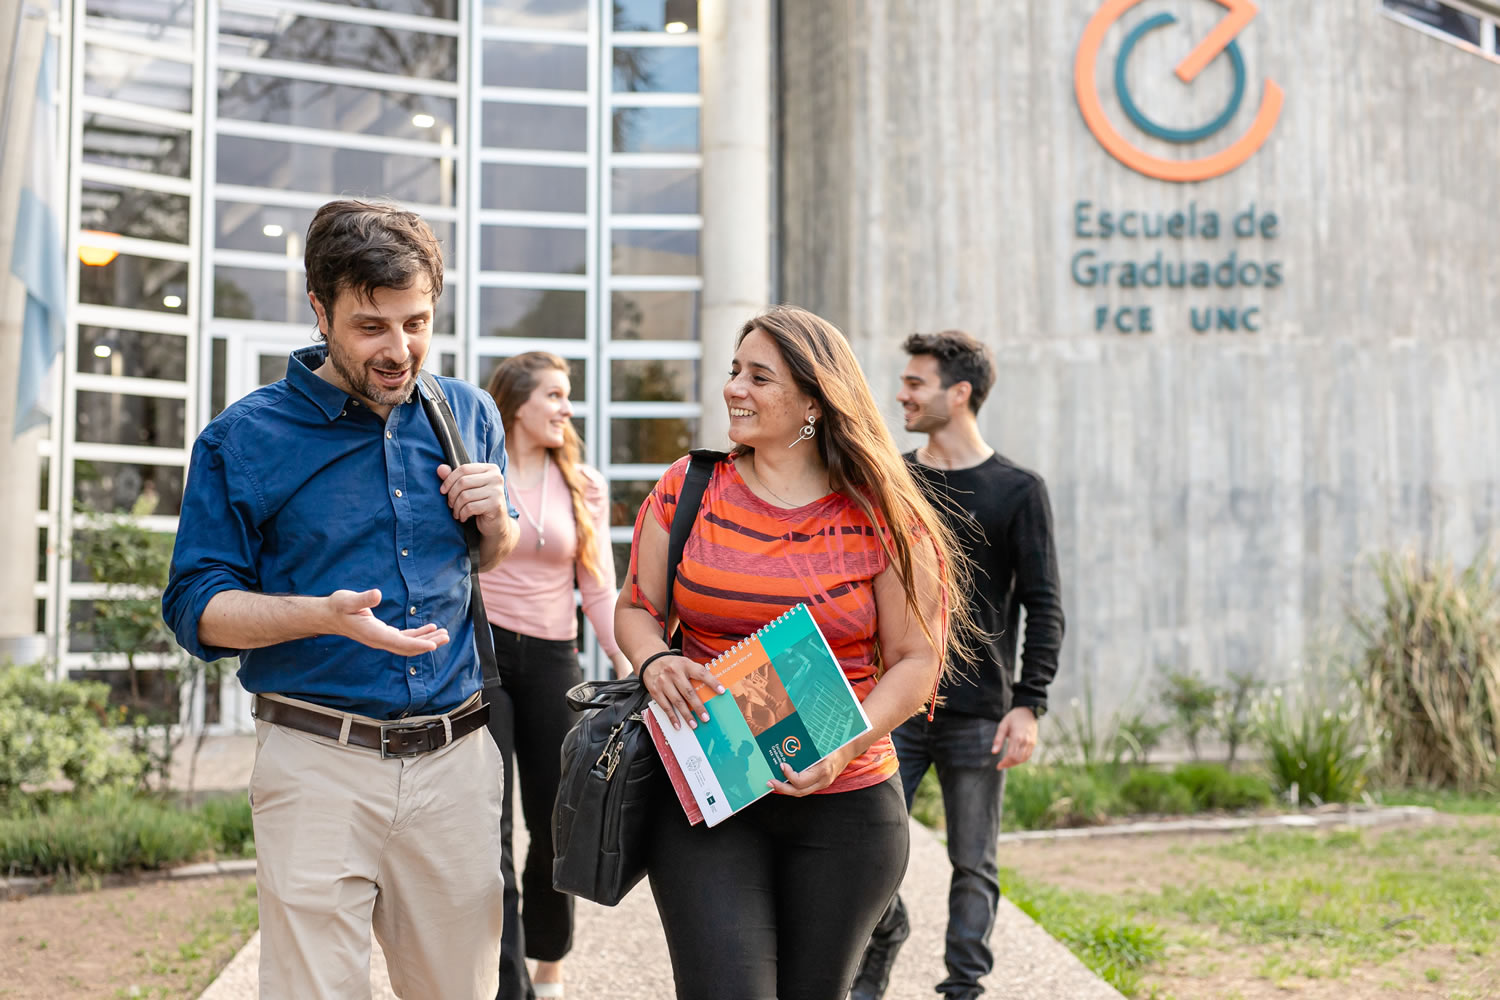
(391, 739)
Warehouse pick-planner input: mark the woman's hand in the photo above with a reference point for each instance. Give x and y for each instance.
(670, 682)
(815, 778)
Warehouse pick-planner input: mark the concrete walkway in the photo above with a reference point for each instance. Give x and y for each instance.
(620, 954)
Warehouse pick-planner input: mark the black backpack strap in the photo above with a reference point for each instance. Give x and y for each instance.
(700, 471)
(435, 403)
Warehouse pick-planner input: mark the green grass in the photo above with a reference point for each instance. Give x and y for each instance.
(1443, 800)
(1294, 904)
(1106, 936)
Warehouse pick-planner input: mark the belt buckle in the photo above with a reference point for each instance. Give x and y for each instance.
(386, 753)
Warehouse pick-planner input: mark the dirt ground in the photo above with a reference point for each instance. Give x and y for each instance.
(1203, 963)
(152, 939)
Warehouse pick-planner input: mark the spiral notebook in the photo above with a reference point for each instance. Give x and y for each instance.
(786, 699)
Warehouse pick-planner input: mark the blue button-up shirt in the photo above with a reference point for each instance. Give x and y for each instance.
(300, 489)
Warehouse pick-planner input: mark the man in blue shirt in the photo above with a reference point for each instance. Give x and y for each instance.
(322, 541)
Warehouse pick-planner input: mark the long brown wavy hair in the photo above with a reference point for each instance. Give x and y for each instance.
(512, 383)
(865, 465)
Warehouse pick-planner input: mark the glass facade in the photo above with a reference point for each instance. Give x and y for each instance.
(552, 145)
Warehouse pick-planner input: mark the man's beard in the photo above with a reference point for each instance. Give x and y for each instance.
(362, 384)
(926, 421)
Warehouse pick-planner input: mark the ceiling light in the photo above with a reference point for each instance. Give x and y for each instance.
(272, 230)
(172, 301)
(92, 255)
(676, 27)
(423, 120)
(102, 350)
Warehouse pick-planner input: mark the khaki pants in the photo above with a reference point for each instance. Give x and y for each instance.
(346, 842)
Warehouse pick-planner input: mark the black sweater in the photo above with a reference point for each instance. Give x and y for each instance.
(1001, 515)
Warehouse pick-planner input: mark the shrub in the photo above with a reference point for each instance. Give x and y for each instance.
(1314, 753)
(1192, 701)
(52, 730)
(118, 830)
(1211, 786)
(1155, 792)
(229, 824)
(1429, 672)
(1137, 737)
(1048, 797)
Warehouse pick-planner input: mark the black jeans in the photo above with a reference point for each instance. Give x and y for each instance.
(529, 718)
(776, 902)
(973, 791)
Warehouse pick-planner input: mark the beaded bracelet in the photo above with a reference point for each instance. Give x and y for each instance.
(641, 670)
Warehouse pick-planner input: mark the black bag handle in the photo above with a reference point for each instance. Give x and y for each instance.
(700, 471)
(435, 403)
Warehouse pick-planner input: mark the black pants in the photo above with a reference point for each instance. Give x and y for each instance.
(529, 718)
(777, 902)
(973, 791)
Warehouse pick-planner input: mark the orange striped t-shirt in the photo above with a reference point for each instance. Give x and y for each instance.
(747, 561)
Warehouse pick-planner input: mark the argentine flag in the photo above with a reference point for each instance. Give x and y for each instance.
(38, 259)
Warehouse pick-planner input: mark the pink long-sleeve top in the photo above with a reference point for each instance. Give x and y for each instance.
(531, 591)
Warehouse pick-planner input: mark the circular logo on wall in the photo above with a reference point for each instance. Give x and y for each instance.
(1219, 41)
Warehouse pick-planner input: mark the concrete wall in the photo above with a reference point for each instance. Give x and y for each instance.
(1217, 495)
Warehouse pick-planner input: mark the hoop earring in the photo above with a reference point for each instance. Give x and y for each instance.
(806, 433)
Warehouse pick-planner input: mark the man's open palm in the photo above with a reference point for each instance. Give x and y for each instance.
(354, 617)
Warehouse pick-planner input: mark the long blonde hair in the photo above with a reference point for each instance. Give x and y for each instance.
(511, 384)
(865, 465)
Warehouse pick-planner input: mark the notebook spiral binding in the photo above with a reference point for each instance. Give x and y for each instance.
(768, 626)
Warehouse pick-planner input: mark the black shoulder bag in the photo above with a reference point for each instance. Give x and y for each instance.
(435, 403)
(610, 770)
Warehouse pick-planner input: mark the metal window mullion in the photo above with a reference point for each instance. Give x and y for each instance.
(671, 161)
(130, 454)
(136, 247)
(653, 350)
(664, 222)
(538, 220)
(657, 39)
(131, 385)
(350, 14)
(650, 410)
(579, 350)
(469, 107)
(601, 135)
(652, 99)
(534, 157)
(174, 324)
(313, 73)
(137, 179)
(301, 199)
(537, 36)
(252, 329)
(257, 261)
(657, 283)
(102, 37)
(303, 135)
(596, 314)
(182, 120)
(530, 279)
(64, 421)
(637, 471)
(535, 95)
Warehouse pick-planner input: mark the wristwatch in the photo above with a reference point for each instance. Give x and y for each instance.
(1036, 710)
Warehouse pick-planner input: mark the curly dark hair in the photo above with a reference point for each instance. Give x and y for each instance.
(960, 358)
(360, 246)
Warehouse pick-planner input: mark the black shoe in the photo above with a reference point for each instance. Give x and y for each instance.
(875, 968)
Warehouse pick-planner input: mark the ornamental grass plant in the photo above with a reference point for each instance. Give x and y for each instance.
(1429, 672)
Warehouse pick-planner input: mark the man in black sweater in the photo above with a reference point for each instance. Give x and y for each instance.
(987, 721)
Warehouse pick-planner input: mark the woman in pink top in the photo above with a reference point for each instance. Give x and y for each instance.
(529, 599)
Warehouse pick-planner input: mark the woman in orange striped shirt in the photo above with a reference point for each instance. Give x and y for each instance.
(814, 505)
